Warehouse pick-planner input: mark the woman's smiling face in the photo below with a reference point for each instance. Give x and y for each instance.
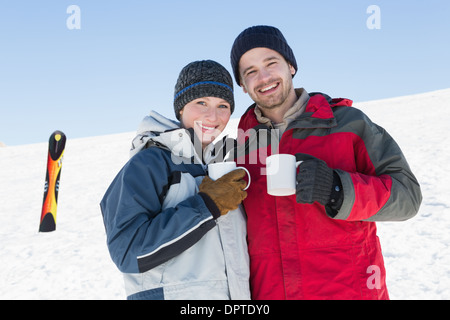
(208, 116)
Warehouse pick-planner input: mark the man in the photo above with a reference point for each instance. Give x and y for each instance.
(320, 243)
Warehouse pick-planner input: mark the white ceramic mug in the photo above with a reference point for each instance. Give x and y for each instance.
(217, 170)
(281, 171)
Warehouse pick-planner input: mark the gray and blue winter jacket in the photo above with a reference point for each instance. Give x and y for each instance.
(161, 233)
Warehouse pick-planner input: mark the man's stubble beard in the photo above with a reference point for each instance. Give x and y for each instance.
(276, 101)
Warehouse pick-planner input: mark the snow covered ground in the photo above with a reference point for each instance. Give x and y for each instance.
(73, 262)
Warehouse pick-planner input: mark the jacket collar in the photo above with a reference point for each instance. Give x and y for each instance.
(183, 143)
(156, 130)
(318, 113)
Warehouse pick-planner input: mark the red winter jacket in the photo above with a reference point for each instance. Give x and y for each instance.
(296, 250)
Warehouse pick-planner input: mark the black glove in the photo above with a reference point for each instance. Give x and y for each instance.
(318, 182)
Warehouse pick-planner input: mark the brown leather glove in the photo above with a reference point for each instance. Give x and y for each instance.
(226, 192)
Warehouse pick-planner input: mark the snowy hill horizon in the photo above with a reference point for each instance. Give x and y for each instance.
(73, 262)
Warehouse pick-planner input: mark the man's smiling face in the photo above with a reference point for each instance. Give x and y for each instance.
(266, 76)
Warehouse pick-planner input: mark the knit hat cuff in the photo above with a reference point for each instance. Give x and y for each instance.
(200, 90)
(200, 83)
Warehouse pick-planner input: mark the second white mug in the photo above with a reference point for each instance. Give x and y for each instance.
(281, 171)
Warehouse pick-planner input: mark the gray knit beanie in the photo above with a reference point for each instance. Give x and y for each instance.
(199, 79)
(256, 37)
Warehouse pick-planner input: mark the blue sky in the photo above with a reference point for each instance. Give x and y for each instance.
(124, 60)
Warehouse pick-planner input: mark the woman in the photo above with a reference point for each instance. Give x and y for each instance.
(168, 227)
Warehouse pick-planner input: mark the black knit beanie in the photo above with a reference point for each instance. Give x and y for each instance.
(199, 79)
(260, 37)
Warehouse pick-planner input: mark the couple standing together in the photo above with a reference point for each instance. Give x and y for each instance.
(177, 234)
